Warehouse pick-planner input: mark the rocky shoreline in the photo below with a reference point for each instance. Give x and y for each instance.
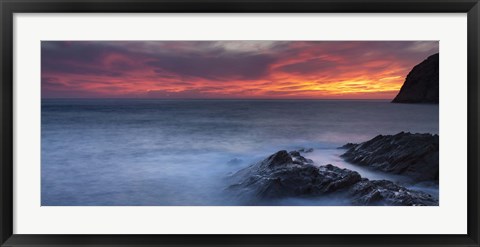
(413, 155)
(291, 175)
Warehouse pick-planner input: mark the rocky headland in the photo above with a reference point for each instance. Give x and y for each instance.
(415, 156)
(421, 84)
(289, 174)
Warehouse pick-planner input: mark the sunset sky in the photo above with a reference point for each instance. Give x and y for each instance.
(229, 69)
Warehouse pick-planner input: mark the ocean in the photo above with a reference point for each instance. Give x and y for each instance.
(149, 152)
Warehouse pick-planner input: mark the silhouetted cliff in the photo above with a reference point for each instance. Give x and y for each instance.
(421, 84)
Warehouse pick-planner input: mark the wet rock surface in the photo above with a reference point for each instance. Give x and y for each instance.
(288, 174)
(413, 155)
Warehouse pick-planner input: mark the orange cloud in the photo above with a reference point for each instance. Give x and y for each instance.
(204, 69)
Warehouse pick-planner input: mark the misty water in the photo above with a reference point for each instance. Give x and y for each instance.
(180, 152)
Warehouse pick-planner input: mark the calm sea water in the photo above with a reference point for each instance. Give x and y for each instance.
(178, 152)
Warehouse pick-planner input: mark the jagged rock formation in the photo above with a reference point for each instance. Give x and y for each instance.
(288, 174)
(412, 155)
(421, 84)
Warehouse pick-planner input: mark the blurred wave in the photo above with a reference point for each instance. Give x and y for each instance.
(178, 152)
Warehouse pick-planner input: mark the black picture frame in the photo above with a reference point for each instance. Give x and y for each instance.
(10, 7)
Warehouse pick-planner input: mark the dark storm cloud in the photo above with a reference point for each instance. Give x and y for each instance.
(82, 58)
(226, 66)
(214, 63)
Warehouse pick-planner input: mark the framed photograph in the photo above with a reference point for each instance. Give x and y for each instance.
(239, 123)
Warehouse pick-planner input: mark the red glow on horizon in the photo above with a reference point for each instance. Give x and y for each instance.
(294, 70)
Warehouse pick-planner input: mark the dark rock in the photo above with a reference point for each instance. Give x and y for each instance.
(348, 145)
(412, 155)
(305, 150)
(281, 174)
(387, 193)
(235, 161)
(285, 174)
(421, 84)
